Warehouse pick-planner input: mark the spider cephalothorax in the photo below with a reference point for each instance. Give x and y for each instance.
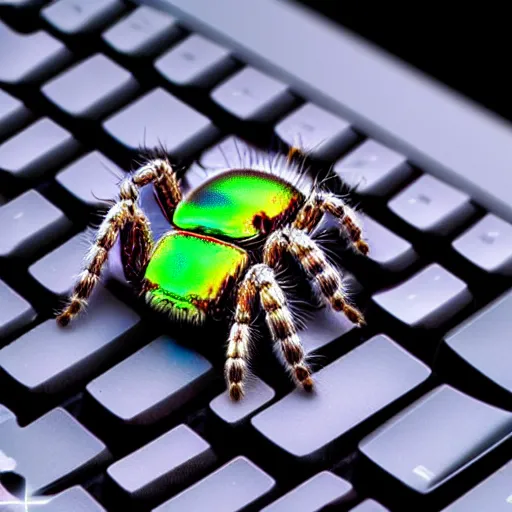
(209, 256)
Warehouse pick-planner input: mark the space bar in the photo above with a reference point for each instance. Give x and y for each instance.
(439, 131)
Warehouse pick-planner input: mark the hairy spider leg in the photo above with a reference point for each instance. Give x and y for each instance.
(311, 258)
(260, 281)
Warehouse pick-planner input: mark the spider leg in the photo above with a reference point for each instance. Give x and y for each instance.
(260, 281)
(312, 259)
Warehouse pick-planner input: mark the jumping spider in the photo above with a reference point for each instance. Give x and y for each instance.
(206, 262)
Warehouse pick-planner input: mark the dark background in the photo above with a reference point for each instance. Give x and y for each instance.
(468, 49)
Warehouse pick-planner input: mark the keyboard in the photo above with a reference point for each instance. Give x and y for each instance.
(124, 411)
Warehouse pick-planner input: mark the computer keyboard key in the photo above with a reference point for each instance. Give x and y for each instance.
(369, 506)
(13, 114)
(373, 169)
(432, 206)
(483, 341)
(257, 395)
(74, 499)
(29, 223)
(142, 33)
(427, 300)
(35, 150)
(492, 494)
(159, 119)
(229, 152)
(92, 88)
(316, 132)
(250, 95)
(29, 57)
(195, 62)
(438, 436)
(170, 460)
(51, 449)
(323, 490)
(487, 245)
(232, 488)
(387, 250)
(152, 383)
(15, 311)
(93, 179)
(49, 358)
(73, 17)
(348, 391)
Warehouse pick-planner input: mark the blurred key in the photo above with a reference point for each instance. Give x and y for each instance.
(231, 488)
(493, 493)
(432, 206)
(322, 490)
(92, 88)
(15, 311)
(76, 350)
(29, 57)
(316, 132)
(25, 4)
(170, 460)
(196, 61)
(229, 152)
(38, 148)
(74, 499)
(483, 341)
(439, 435)
(152, 383)
(359, 384)
(369, 506)
(426, 300)
(58, 270)
(488, 245)
(373, 169)
(51, 449)
(142, 33)
(93, 179)
(251, 95)
(387, 250)
(159, 118)
(29, 222)
(74, 17)
(13, 114)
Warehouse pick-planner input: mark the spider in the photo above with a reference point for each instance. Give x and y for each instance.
(206, 264)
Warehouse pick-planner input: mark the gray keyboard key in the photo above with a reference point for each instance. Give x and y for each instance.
(51, 449)
(36, 149)
(142, 33)
(196, 61)
(15, 311)
(57, 270)
(93, 179)
(230, 152)
(76, 351)
(426, 300)
(13, 114)
(483, 341)
(439, 435)
(80, 93)
(432, 206)
(152, 383)
(170, 460)
(369, 506)
(250, 95)
(493, 493)
(159, 118)
(257, 395)
(29, 57)
(359, 384)
(29, 223)
(373, 169)
(322, 490)
(73, 17)
(387, 250)
(316, 132)
(74, 499)
(488, 245)
(231, 488)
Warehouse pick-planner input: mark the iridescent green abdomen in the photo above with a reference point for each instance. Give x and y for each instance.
(238, 204)
(188, 274)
